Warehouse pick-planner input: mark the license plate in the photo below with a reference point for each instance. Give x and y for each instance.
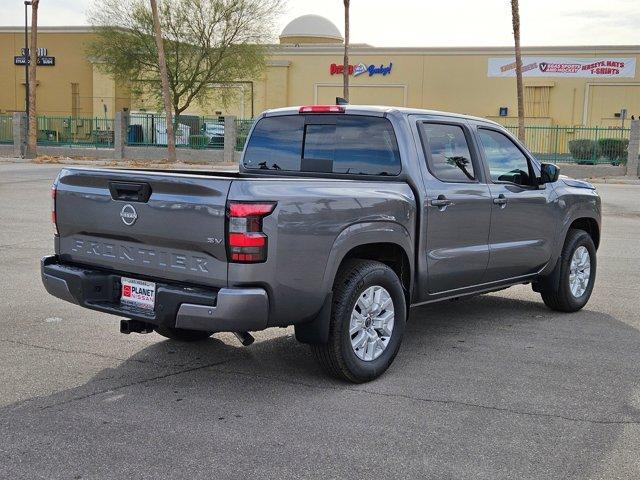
(138, 293)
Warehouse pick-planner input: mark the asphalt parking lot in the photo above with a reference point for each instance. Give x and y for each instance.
(492, 387)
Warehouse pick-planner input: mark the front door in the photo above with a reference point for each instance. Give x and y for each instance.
(522, 222)
(457, 208)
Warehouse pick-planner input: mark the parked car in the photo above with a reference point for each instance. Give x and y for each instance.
(340, 219)
(214, 133)
(181, 131)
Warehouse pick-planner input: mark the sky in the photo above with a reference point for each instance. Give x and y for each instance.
(425, 23)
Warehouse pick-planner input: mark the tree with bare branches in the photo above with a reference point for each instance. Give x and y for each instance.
(345, 64)
(515, 20)
(32, 140)
(207, 43)
(164, 77)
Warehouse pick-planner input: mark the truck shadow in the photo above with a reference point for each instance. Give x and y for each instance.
(496, 370)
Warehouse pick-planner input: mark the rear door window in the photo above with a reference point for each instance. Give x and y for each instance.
(447, 152)
(346, 144)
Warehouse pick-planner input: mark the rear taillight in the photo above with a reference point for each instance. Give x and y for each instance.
(321, 109)
(54, 219)
(246, 242)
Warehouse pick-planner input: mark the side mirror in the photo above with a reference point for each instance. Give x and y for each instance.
(549, 173)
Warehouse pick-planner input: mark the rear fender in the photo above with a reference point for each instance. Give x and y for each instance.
(317, 331)
(362, 234)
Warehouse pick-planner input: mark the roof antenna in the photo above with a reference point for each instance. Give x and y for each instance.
(341, 101)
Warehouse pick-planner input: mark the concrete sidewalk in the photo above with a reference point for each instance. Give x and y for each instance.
(123, 163)
(616, 180)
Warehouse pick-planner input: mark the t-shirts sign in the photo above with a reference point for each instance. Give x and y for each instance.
(601, 67)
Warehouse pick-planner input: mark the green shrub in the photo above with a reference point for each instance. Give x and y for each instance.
(584, 149)
(198, 141)
(614, 149)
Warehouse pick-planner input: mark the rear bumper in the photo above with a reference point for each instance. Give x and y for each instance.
(222, 310)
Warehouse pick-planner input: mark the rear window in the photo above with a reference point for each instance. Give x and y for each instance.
(348, 144)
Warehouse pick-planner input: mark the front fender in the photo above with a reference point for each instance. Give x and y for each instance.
(573, 203)
(576, 207)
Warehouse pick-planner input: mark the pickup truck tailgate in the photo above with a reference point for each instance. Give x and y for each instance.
(154, 224)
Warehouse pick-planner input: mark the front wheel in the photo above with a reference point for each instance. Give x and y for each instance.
(577, 274)
(366, 326)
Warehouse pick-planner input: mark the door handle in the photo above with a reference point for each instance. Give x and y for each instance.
(130, 192)
(500, 200)
(441, 202)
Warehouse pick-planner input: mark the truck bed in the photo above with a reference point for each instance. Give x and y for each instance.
(174, 232)
(179, 232)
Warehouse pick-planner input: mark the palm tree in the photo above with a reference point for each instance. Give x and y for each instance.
(515, 20)
(164, 76)
(33, 62)
(345, 63)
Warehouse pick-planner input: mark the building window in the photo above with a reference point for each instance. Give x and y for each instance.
(536, 101)
(75, 99)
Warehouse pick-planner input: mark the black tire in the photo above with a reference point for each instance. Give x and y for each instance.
(182, 335)
(560, 297)
(337, 356)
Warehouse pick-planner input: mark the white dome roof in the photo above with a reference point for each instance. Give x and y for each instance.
(311, 26)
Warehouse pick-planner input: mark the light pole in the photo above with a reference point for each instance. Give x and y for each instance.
(26, 63)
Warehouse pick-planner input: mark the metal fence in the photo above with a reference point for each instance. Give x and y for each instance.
(582, 145)
(75, 131)
(6, 129)
(242, 130)
(150, 130)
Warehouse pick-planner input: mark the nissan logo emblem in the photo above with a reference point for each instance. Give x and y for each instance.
(128, 214)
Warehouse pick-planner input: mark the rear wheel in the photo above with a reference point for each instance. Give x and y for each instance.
(577, 274)
(367, 322)
(181, 334)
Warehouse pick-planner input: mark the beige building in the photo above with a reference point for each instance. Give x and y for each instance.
(576, 85)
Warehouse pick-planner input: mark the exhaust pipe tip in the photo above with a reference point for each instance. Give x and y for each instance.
(245, 338)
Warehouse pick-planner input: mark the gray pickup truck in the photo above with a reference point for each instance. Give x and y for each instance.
(339, 220)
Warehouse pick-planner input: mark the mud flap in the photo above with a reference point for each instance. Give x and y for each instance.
(316, 331)
(549, 282)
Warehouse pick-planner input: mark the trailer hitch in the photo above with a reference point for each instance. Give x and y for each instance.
(135, 326)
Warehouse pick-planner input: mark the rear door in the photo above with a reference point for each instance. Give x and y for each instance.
(522, 215)
(457, 208)
(160, 225)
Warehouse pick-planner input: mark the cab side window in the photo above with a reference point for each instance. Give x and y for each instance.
(447, 152)
(506, 161)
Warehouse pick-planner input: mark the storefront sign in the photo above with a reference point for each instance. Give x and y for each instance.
(43, 59)
(605, 67)
(360, 68)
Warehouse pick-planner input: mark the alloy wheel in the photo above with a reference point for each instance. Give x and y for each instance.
(371, 324)
(579, 271)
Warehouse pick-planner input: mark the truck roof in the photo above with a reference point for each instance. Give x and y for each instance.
(380, 110)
